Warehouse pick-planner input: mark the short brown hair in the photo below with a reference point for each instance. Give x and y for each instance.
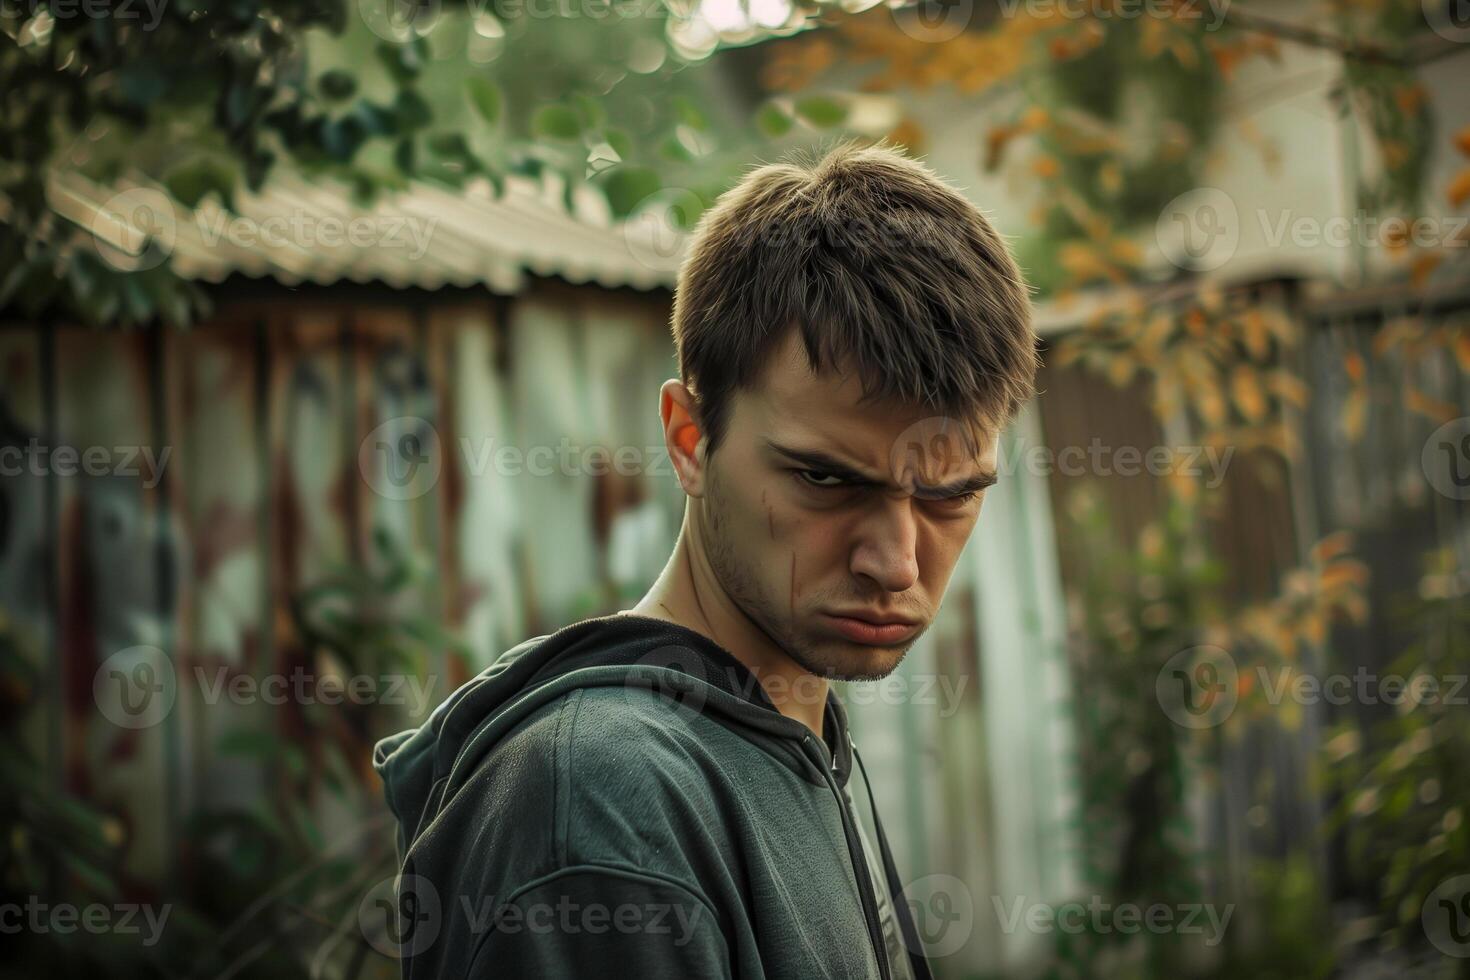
(876, 260)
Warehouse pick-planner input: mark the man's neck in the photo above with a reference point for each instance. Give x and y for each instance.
(688, 593)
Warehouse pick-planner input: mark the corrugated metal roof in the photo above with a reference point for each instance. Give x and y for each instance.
(296, 231)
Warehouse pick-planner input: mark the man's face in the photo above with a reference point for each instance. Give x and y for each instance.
(819, 509)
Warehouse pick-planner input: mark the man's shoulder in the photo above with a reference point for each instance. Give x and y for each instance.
(603, 776)
(615, 733)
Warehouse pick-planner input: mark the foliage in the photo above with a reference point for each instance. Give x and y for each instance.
(267, 890)
(1140, 605)
(1140, 610)
(1402, 789)
(1218, 359)
(209, 100)
(1074, 85)
(304, 870)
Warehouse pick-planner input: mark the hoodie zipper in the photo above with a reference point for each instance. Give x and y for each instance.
(859, 866)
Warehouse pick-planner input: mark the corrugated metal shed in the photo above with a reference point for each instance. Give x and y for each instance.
(427, 236)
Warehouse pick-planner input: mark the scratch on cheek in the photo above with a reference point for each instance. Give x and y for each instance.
(793, 585)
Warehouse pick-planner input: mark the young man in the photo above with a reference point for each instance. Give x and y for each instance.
(665, 792)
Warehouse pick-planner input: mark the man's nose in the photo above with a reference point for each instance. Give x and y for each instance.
(886, 551)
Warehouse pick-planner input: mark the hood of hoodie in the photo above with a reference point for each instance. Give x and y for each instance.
(422, 768)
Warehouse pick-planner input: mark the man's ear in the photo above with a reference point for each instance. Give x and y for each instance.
(682, 436)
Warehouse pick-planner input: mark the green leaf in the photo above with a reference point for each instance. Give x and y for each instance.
(821, 111)
(257, 166)
(556, 122)
(620, 141)
(337, 84)
(593, 115)
(485, 97)
(772, 122)
(342, 137)
(83, 275)
(449, 145)
(403, 61)
(674, 150)
(411, 111)
(190, 183)
(626, 187)
(376, 120)
(139, 303)
(690, 114)
(403, 155)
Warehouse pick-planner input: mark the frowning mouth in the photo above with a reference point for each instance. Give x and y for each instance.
(872, 629)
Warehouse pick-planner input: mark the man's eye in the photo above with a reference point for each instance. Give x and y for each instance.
(816, 478)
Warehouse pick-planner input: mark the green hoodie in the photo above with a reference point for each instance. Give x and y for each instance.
(622, 797)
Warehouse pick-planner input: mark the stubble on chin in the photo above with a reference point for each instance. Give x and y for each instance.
(826, 657)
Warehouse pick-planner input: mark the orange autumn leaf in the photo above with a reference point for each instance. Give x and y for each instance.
(1245, 682)
(1046, 166)
(1084, 263)
(1257, 334)
(1410, 99)
(1195, 322)
(1157, 331)
(996, 142)
(1245, 389)
(1288, 387)
(1431, 408)
(1353, 365)
(1395, 153)
(1462, 350)
(1155, 37)
(1462, 141)
(1126, 251)
(1063, 48)
(909, 134)
(1120, 371)
(1395, 234)
(1335, 544)
(1423, 267)
(1459, 189)
(1210, 403)
(1341, 574)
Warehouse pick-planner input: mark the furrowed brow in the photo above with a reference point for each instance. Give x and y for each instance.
(956, 488)
(817, 460)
